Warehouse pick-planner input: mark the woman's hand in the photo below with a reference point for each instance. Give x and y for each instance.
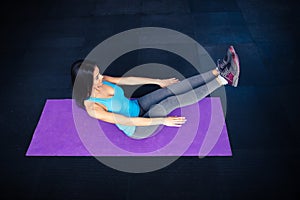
(166, 82)
(174, 121)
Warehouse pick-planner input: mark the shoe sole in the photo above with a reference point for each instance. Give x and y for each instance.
(237, 63)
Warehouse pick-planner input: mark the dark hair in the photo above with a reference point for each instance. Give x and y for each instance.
(82, 80)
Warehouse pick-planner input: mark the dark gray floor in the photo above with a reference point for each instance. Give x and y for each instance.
(39, 41)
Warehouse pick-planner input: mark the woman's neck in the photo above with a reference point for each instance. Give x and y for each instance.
(96, 91)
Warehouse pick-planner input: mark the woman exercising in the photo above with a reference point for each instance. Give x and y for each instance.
(103, 99)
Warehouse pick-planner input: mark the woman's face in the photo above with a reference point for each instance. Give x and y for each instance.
(97, 78)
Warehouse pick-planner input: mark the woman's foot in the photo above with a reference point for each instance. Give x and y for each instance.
(230, 68)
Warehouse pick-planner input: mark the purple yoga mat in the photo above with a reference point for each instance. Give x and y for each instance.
(66, 130)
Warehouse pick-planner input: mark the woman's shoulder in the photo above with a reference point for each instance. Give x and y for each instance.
(109, 83)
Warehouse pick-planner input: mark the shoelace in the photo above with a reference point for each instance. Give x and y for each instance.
(221, 65)
(225, 72)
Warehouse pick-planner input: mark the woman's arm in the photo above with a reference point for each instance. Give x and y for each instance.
(99, 113)
(130, 80)
(140, 80)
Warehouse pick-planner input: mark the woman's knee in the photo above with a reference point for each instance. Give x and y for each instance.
(157, 110)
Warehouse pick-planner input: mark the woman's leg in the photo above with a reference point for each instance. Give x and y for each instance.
(164, 107)
(181, 87)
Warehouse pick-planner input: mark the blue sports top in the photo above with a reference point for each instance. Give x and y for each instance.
(121, 105)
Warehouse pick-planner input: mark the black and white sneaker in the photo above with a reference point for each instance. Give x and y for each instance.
(229, 67)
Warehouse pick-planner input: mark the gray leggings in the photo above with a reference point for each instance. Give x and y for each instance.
(161, 102)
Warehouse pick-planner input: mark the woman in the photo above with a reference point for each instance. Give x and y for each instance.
(103, 99)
